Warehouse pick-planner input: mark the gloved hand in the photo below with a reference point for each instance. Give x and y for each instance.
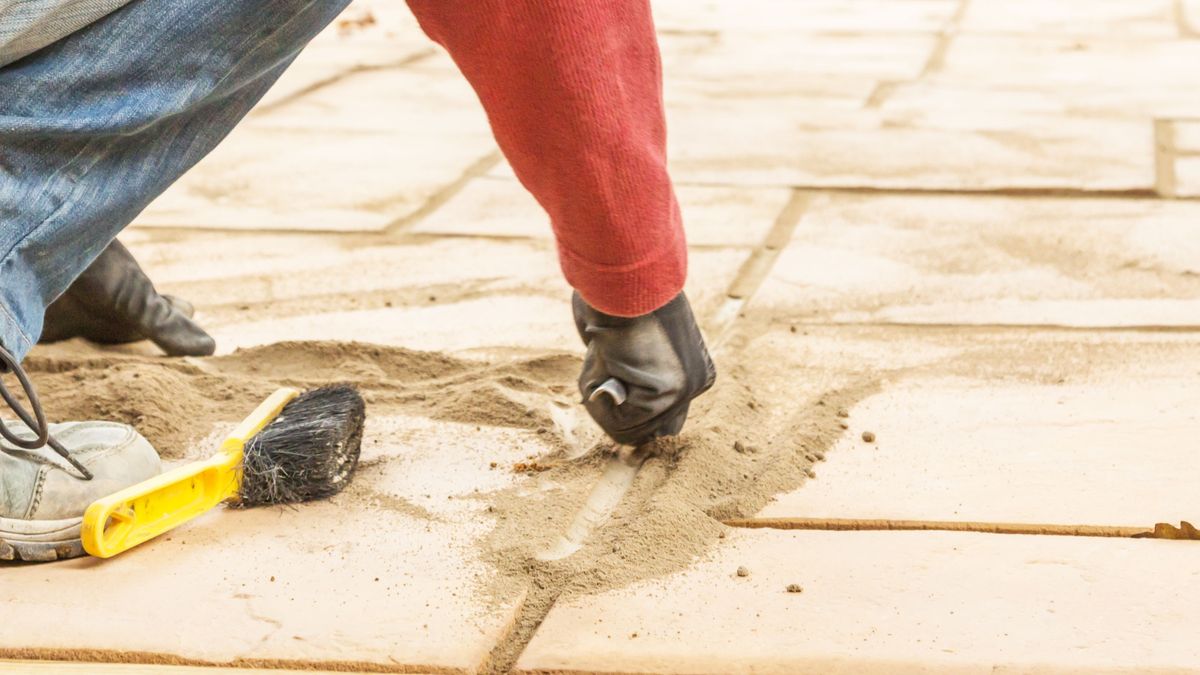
(114, 302)
(660, 361)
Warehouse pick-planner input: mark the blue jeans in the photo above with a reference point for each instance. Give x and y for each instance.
(98, 124)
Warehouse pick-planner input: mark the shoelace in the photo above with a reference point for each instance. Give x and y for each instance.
(35, 420)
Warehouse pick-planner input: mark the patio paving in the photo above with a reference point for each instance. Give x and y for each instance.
(978, 223)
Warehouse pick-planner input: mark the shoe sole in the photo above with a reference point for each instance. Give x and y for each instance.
(40, 540)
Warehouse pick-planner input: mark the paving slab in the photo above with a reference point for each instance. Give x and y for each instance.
(358, 155)
(747, 143)
(368, 34)
(887, 602)
(1070, 61)
(1187, 136)
(989, 260)
(1103, 18)
(383, 575)
(1190, 17)
(937, 100)
(11, 667)
(1187, 177)
(1111, 450)
(422, 292)
(713, 216)
(817, 16)
(497, 314)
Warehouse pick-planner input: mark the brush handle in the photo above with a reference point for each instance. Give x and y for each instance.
(132, 516)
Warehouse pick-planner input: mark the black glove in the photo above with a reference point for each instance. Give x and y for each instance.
(114, 302)
(659, 364)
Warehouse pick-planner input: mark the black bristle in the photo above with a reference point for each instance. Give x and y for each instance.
(308, 452)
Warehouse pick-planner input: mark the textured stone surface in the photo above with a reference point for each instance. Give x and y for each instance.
(1187, 177)
(786, 144)
(1100, 18)
(1096, 449)
(385, 574)
(713, 216)
(1187, 136)
(976, 260)
(359, 154)
(886, 602)
(1041, 61)
(817, 16)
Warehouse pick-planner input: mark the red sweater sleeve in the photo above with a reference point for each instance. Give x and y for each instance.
(573, 91)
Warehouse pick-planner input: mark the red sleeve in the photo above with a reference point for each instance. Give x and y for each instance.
(573, 91)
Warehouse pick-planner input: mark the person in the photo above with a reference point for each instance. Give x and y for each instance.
(105, 103)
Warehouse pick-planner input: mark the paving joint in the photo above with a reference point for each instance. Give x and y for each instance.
(758, 266)
(445, 194)
(869, 524)
(341, 76)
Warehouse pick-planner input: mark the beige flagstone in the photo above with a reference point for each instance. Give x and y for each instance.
(713, 216)
(385, 574)
(1100, 18)
(1108, 448)
(1187, 177)
(1069, 61)
(888, 602)
(785, 144)
(814, 16)
(1187, 136)
(989, 260)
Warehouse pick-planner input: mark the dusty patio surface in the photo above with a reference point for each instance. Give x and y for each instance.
(966, 229)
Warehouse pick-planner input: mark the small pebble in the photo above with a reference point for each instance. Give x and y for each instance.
(810, 473)
(842, 413)
(795, 588)
(820, 455)
(739, 447)
(743, 572)
(843, 425)
(868, 436)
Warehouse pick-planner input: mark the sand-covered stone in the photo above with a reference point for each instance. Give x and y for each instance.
(886, 602)
(1105, 447)
(386, 574)
(989, 260)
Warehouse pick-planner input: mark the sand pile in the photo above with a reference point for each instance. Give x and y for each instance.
(735, 455)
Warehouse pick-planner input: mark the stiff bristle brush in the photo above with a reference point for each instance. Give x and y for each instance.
(295, 447)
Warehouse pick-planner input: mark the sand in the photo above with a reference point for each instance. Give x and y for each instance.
(734, 457)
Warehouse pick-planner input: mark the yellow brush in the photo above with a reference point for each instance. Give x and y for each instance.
(294, 447)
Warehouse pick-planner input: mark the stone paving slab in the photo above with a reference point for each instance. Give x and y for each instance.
(746, 143)
(817, 16)
(965, 103)
(368, 34)
(1101, 18)
(887, 602)
(978, 450)
(1187, 136)
(993, 425)
(10, 667)
(713, 216)
(386, 574)
(358, 155)
(989, 260)
(440, 293)
(1187, 177)
(1048, 61)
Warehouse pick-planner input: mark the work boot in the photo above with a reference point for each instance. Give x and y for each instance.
(50, 473)
(641, 373)
(114, 302)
